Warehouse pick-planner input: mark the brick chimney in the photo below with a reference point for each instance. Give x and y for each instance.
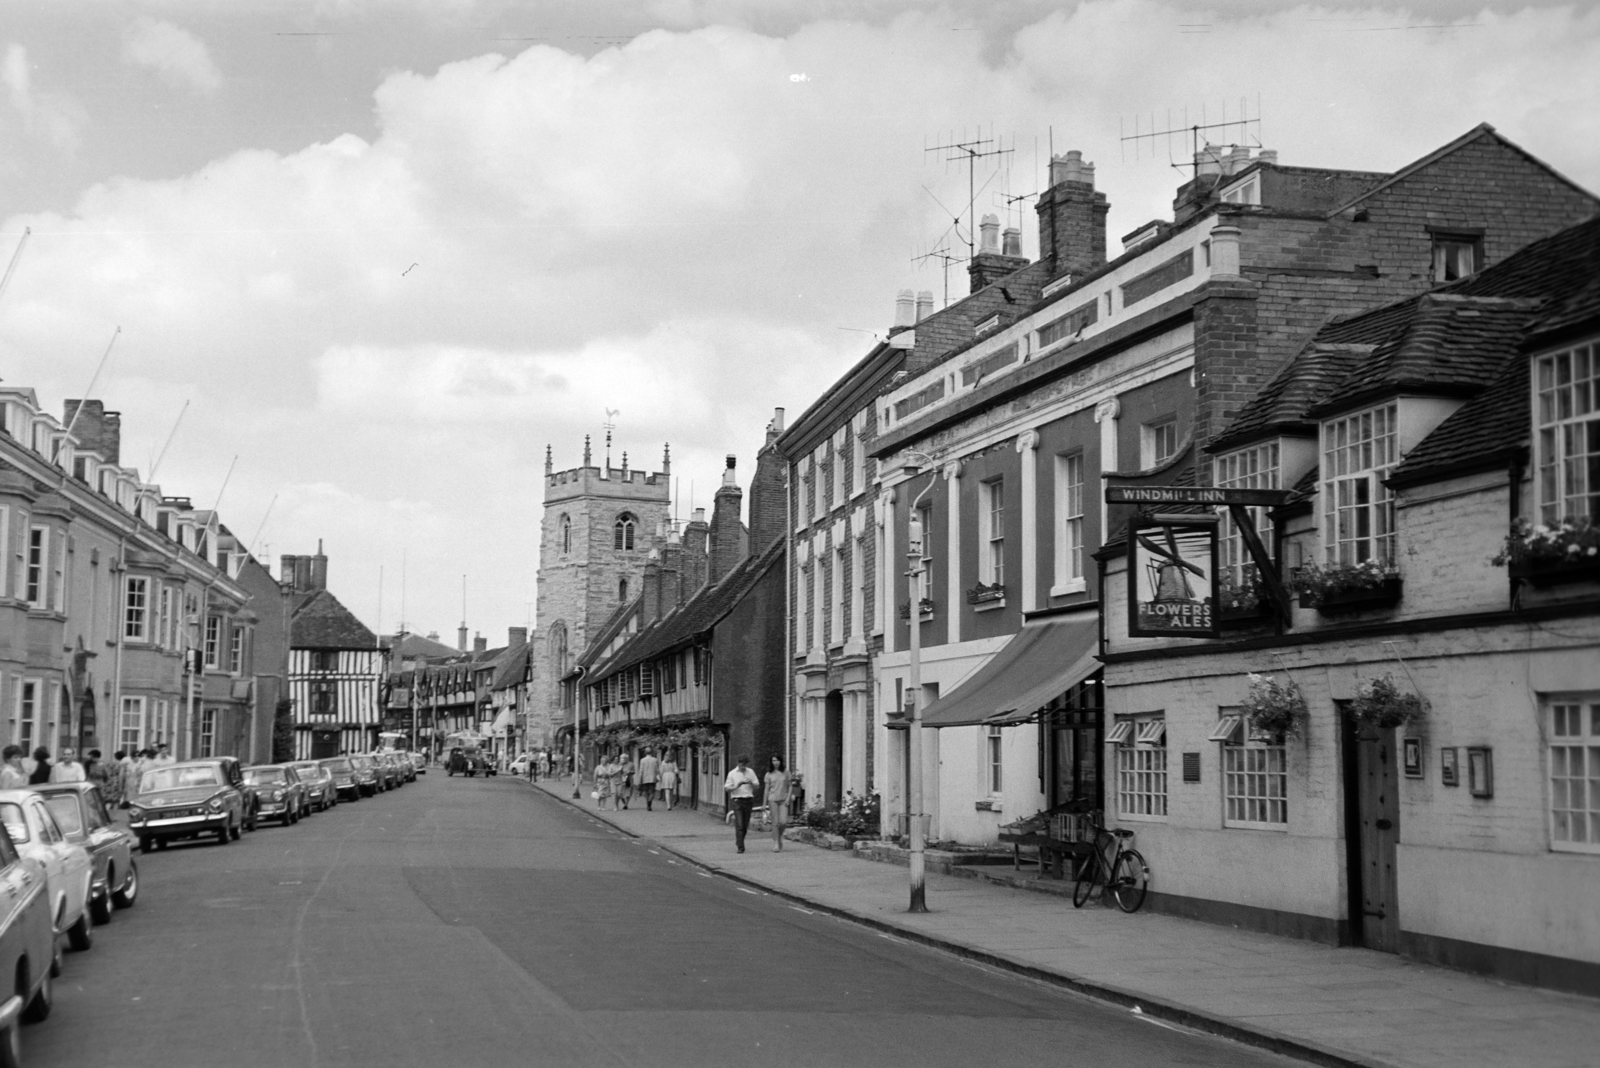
(1072, 218)
(97, 429)
(650, 608)
(517, 636)
(672, 593)
(904, 309)
(319, 569)
(726, 530)
(989, 264)
(768, 495)
(696, 550)
(480, 644)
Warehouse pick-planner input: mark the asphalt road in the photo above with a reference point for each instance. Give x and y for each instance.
(465, 922)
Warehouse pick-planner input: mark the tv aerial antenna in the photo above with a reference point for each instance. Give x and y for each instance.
(942, 254)
(971, 151)
(1247, 127)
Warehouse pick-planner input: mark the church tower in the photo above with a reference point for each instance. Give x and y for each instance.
(599, 527)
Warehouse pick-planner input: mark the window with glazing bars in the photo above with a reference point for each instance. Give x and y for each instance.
(1358, 509)
(1567, 404)
(1252, 468)
(1255, 785)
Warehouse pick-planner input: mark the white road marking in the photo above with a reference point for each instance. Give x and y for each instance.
(747, 890)
(703, 874)
(891, 938)
(797, 908)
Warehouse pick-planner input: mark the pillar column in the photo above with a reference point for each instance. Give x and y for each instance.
(887, 567)
(1028, 446)
(953, 595)
(1105, 413)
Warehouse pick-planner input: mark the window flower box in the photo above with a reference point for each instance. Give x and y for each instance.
(925, 609)
(1549, 556)
(1242, 602)
(1333, 589)
(986, 593)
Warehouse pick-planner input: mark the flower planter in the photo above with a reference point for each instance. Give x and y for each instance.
(982, 594)
(1555, 572)
(1385, 594)
(1255, 615)
(925, 613)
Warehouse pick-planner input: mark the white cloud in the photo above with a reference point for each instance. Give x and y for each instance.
(674, 228)
(180, 57)
(54, 117)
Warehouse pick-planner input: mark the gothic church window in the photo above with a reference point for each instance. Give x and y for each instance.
(622, 590)
(622, 533)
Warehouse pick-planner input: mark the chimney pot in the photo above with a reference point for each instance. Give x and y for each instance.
(1267, 155)
(1224, 251)
(989, 234)
(1209, 160)
(1011, 243)
(903, 309)
(924, 304)
(728, 477)
(777, 419)
(480, 644)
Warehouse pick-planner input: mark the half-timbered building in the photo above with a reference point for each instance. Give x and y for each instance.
(335, 666)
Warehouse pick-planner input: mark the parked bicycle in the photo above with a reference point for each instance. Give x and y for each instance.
(1117, 866)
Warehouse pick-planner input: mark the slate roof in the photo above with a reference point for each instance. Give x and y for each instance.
(1283, 402)
(319, 621)
(418, 646)
(1451, 345)
(696, 616)
(512, 665)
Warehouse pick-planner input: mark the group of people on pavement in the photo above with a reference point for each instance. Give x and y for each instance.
(113, 776)
(617, 780)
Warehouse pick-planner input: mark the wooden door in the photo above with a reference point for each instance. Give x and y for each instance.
(832, 747)
(1378, 825)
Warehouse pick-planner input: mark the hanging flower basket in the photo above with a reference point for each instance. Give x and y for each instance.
(1274, 707)
(1380, 703)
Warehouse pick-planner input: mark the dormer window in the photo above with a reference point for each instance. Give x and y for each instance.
(1456, 254)
(1246, 192)
(1567, 435)
(1358, 509)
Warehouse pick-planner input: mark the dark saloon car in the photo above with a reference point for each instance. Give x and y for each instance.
(279, 793)
(368, 779)
(83, 817)
(321, 793)
(167, 802)
(347, 787)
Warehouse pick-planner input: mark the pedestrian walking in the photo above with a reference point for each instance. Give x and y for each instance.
(741, 787)
(625, 780)
(12, 777)
(41, 767)
(95, 769)
(669, 779)
(533, 768)
(68, 769)
(775, 795)
(605, 783)
(649, 775)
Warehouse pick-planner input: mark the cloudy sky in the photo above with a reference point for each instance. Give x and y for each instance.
(389, 250)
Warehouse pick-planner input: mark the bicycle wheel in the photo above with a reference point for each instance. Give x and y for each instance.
(1130, 881)
(1086, 880)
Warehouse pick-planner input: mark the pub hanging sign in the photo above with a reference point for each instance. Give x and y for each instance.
(1172, 569)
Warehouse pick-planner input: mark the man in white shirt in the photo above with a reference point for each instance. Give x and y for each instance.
(741, 789)
(12, 777)
(68, 769)
(164, 755)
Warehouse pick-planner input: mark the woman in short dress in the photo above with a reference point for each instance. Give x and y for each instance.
(776, 790)
(604, 782)
(669, 778)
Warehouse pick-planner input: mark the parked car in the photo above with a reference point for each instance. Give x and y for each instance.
(346, 783)
(519, 766)
(68, 871)
(82, 815)
(420, 762)
(386, 772)
(29, 950)
(368, 777)
(321, 794)
(279, 793)
(404, 770)
(169, 802)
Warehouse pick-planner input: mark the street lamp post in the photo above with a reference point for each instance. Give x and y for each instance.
(916, 861)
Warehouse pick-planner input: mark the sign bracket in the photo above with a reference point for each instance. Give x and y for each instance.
(1245, 522)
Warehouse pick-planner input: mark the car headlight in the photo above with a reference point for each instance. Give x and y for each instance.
(277, 795)
(135, 812)
(215, 804)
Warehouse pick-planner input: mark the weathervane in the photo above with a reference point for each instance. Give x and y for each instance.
(609, 426)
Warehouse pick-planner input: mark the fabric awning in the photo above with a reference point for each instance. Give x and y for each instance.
(1040, 663)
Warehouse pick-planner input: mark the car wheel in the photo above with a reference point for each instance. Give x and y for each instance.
(236, 830)
(44, 999)
(100, 907)
(80, 936)
(129, 893)
(223, 837)
(161, 843)
(145, 844)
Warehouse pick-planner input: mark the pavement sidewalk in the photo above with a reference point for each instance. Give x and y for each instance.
(1329, 1005)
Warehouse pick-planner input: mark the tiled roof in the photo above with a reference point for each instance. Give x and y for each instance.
(1488, 429)
(695, 616)
(512, 666)
(319, 621)
(1283, 402)
(1576, 312)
